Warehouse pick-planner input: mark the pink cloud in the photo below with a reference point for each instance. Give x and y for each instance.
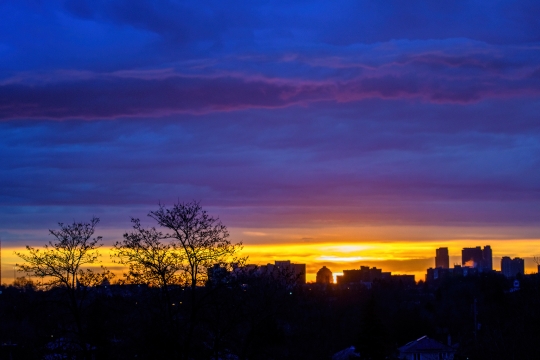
(163, 92)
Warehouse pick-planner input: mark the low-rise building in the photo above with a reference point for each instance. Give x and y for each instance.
(324, 276)
(511, 267)
(425, 348)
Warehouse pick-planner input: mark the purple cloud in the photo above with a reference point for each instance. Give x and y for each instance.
(119, 95)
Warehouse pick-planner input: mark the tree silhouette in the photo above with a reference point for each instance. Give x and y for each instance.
(62, 263)
(203, 239)
(152, 262)
(149, 260)
(204, 243)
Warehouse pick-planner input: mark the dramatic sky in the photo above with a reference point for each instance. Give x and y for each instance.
(341, 133)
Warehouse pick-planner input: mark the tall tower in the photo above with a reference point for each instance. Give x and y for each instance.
(479, 258)
(472, 257)
(487, 255)
(442, 259)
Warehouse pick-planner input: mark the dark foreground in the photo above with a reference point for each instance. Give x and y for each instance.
(260, 318)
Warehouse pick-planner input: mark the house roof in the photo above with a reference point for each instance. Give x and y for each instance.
(425, 344)
(346, 354)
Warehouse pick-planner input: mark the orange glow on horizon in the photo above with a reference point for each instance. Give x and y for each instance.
(399, 257)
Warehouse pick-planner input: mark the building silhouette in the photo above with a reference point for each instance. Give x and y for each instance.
(487, 255)
(477, 258)
(296, 271)
(404, 279)
(324, 276)
(441, 273)
(282, 271)
(426, 349)
(512, 267)
(471, 257)
(285, 269)
(366, 275)
(442, 260)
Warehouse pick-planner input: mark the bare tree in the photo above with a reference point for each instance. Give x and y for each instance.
(205, 243)
(149, 260)
(62, 262)
(203, 239)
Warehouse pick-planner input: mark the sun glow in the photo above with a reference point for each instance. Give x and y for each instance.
(333, 258)
(399, 257)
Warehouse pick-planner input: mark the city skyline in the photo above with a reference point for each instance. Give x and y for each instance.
(337, 268)
(367, 133)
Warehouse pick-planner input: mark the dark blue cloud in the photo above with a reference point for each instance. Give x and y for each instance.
(112, 35)
(346, 23)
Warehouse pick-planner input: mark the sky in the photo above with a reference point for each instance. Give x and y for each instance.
(333, 133)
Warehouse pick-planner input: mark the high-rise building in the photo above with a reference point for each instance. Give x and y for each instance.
(487, 258)
(442, 260)
(512, 267)
(471, 257)
(478, 258)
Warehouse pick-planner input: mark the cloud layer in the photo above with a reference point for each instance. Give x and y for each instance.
(276, 114)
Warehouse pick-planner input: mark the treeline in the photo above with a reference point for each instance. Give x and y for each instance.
(260, 317)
